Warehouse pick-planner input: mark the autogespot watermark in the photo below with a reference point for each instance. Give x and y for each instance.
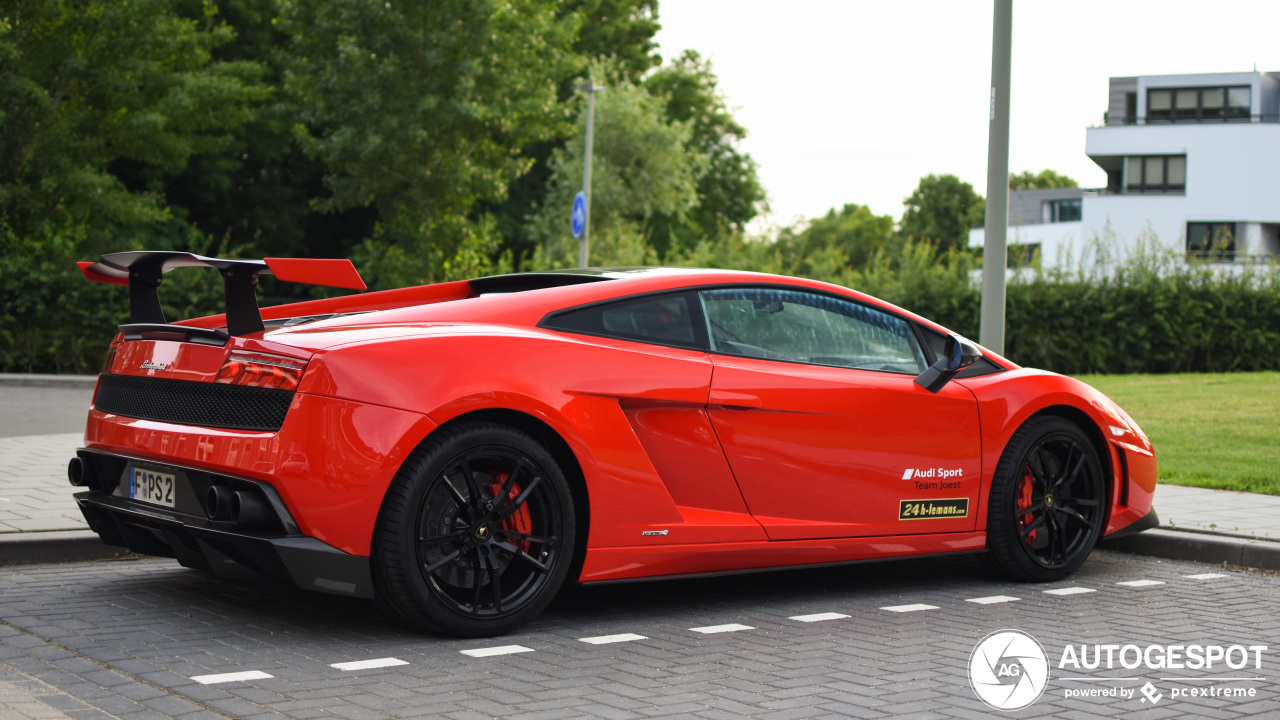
(1010, 670)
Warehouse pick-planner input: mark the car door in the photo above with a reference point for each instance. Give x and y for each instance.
(814, 402)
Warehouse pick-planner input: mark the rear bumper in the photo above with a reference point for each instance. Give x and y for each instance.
(330, 464)
(306, 562)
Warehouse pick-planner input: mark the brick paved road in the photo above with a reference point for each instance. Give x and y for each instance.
(125, 638)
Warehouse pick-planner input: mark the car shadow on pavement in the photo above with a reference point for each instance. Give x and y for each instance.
(131, 593)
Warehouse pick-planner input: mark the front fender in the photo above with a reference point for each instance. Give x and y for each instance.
(1008, 400)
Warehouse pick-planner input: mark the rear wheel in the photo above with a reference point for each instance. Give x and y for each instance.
(476, 533)
(1047, 502)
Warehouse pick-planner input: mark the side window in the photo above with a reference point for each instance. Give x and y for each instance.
(659, 319)
(797, 326)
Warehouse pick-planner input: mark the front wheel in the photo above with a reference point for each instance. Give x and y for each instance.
(1047, 502)
(476, 533)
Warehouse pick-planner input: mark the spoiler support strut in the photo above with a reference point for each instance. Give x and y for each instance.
(144, 271)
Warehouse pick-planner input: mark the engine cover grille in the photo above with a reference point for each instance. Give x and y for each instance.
(216, 405)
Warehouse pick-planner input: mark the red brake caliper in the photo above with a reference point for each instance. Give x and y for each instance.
(518, 521)
(1024, 502)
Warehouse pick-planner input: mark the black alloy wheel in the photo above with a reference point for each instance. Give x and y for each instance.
(1047, 503)
(476, 533)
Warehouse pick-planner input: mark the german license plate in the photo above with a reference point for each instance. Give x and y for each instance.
(150, 486)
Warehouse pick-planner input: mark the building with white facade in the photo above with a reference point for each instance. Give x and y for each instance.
(1193, 158)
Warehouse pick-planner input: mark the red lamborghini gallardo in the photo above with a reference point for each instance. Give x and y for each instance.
(460, 451)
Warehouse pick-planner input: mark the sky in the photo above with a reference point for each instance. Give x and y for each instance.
(852, 101)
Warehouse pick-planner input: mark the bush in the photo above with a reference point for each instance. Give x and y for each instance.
(52, 320)
(1147, 311)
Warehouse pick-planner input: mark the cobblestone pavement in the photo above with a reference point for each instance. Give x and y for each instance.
(129, 639)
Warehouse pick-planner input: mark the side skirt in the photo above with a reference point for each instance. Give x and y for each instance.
(619, 564)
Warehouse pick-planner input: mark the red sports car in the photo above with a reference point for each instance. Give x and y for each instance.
(460, 451)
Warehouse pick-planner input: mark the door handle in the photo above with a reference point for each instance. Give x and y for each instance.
(734, 400)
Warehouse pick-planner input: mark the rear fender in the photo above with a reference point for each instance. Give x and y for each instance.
(576, 388)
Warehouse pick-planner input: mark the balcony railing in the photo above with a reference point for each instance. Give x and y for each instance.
(1147, 120)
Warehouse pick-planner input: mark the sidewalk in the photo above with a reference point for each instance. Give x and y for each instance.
(39, 521)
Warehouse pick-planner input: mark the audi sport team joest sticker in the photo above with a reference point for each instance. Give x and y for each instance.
(933, 509)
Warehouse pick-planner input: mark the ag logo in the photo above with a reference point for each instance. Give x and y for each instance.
(1008, 670)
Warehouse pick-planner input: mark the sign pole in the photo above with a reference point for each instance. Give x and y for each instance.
(995, 232)
(591, 89)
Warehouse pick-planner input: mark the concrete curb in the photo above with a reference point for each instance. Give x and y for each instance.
(83, 382)
(1200, 547)
(30, 548)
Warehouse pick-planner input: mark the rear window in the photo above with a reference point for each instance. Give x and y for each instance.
(659, 319)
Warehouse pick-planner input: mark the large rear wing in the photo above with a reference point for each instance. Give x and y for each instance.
(143, 272)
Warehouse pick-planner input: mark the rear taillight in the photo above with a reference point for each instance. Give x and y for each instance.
(110, 359)
(261, 370)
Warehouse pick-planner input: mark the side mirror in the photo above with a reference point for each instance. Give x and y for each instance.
(957, 354)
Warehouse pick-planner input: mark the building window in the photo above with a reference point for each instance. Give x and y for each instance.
(1056, 211)
(1155, 173)
(1211, 104)
(1022, 255)
(1214, 241)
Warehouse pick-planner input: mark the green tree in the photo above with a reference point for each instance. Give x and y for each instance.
(92, 92)
(641, 169)
(87, 86)
(255, 195)
(619, 30)
(849, 237)
(942, 208)
(1043, 180)
(729, 190)
(423, 110)
(622, 30)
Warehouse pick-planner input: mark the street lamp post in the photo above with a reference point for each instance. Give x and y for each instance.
(996, 225)
(591, 89)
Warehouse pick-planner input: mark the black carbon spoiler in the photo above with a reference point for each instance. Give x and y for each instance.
(143, 272)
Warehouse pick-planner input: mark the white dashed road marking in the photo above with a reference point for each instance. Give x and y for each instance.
(368, 664)
(492, 651)
(819, 617)
(909, 608)
(712, 629)
(992, 599)
(231, 677)
(607, 639)
(1206, 576)
(1140, 583)
(1069, 591)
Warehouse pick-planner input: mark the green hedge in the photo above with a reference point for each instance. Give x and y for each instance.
(1149, 312)
(1135, 317)
(1202, 320)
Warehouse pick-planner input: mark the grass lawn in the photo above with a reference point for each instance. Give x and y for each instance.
(1209, 430)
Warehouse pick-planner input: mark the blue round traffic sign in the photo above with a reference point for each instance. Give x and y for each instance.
(579, 213)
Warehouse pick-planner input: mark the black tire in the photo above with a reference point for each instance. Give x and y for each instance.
(476, 533)
(1047, 503)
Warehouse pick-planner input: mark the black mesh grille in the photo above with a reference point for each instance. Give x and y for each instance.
(193, 403)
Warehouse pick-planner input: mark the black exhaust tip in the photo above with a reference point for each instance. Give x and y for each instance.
(249, 510)
(76, 472)
(217, 503)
